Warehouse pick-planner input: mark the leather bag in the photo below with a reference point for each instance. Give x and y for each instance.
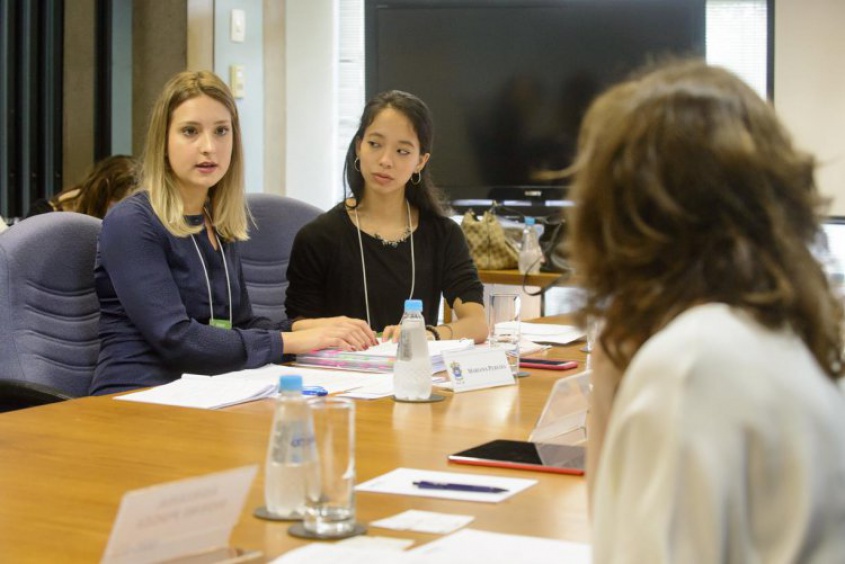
(488, 245)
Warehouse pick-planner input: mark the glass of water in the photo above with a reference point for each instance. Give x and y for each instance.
(330, 491)
(503, 320)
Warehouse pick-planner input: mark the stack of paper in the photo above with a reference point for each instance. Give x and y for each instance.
(547, 333)
(207, 393)
(231, 388)
(379, 358)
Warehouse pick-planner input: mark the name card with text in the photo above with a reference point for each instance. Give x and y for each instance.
(173, 520)
(477, 368)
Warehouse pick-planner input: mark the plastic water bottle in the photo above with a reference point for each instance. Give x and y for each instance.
(530, 253)
(291, 453)
(412, 369)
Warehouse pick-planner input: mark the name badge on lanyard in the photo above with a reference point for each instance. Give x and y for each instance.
(219, 323)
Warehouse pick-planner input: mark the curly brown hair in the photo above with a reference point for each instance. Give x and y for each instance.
(688, 190)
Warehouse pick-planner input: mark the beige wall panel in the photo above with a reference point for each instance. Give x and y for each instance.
(78, 122)
(810, 85)
(159, 50)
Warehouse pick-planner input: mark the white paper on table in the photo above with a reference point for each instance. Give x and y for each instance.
(424, 522)
(375, 542)
(333, 381)
(401, 481)
(320, 552)
(372, 391)
(546, 333)
(208, 393)
(471, 546)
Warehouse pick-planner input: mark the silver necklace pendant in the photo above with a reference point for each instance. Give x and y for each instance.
(393, 243)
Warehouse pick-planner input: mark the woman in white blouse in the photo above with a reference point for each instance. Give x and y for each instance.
(718, 432)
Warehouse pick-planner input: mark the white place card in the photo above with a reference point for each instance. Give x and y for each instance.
(457, 486)
(477, 369)
(176, 519)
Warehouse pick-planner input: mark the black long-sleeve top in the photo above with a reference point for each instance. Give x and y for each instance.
(326, 277)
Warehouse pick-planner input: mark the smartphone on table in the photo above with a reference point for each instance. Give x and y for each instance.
(525, 455)
(548, 363)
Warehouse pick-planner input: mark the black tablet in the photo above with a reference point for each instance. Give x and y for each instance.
(524, 455)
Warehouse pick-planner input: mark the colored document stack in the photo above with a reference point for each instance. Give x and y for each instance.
(379, 358)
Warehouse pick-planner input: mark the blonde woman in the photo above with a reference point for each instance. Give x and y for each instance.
(168, 273)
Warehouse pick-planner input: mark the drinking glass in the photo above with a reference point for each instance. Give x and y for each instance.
(503, 320)
(330, 490)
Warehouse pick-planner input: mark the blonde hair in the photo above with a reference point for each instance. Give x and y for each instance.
(228, 209)
(688, 190)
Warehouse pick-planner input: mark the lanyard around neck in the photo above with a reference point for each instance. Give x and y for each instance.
(211, 320)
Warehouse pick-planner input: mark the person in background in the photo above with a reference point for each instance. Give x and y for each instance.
(108, 182)
(391, 239)
(721, 341)
(168, 273)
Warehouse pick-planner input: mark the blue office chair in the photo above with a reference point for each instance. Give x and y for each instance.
(49, 311)
(265, 257)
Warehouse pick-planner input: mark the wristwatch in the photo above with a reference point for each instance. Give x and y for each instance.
(433, 330)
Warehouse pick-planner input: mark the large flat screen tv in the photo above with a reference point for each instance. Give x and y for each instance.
(508, 81)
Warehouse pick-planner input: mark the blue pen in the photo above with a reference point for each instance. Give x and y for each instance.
(314, 391)
(458, 487)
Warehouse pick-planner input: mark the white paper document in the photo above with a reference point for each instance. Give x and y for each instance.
(208, 393)
(470, 546)
(241, 386)
(424, 522)
(402, 481)
(333, 381)
(320, 553)
(548, 333)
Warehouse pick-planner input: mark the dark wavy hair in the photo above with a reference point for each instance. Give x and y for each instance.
(688, 190)
(425, 196)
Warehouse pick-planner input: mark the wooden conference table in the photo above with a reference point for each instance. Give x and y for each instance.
(65, 467)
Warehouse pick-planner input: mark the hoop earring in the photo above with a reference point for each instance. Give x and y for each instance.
(357, 164)
(419, 178)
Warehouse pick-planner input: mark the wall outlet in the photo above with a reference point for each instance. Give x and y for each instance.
(237, 80)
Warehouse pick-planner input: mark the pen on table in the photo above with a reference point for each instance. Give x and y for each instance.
(423, 485)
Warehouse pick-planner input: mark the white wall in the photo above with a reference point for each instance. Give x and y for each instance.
(250, 55)
(312, 172)
(810, 85)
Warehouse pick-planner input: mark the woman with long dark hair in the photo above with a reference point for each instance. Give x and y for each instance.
(390, 240)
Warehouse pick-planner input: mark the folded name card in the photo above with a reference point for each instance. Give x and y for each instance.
(477, 369)
(173, 520)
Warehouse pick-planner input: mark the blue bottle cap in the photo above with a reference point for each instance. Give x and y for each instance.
(290, 383)
(413, 305)
(529, 220)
